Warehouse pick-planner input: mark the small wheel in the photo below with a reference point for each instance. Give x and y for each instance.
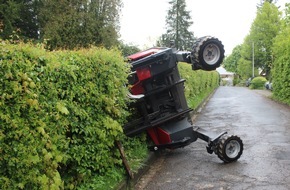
(207, 54)
(229, 148)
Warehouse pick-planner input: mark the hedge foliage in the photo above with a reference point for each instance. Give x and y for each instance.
(199, 84)
(60, 114)
(281, 67)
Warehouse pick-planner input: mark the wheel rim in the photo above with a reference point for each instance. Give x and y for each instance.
(211, 54)
(233, 148)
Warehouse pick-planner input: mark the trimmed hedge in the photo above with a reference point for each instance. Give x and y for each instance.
(199, 84)
(60, 114)
(281, 67)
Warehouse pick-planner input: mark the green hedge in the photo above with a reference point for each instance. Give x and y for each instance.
(281, 67)
(199, 84)
(60, 114)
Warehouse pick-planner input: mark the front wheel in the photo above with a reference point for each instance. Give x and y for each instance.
(207, 53)
(229, 148)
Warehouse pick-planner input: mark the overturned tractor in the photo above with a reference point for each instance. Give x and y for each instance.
(160, 103)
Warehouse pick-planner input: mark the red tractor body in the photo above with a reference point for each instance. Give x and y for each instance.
(159, 100)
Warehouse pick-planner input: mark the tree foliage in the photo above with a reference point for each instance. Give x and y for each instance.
(128, 49)
(263, 1)
(286, 19)
(9, 14)
(269, 38)
(264, 29)
(61, 23)
(231, 62)
(244, 68)
(178, 22)
(258, 43)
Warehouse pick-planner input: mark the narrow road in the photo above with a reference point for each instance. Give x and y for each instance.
(264, 127)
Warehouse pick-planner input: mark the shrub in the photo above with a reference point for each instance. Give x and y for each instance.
(281, 66)
(60, 114)
(258, 83)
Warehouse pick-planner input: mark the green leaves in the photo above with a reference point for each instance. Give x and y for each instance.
(258, 83)
(257, 44)
(79, 24)
(199, 84)
(60, 113)
(61, 108)
(281, 66)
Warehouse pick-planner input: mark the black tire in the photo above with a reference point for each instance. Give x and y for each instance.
(229, 148)
(207, 54)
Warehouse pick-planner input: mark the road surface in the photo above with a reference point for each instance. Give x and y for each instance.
(264, 127)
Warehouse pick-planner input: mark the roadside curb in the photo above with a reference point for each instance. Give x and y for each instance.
(130, 183)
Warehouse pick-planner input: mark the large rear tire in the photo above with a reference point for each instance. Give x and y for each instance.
(229, 148)
(207, 54)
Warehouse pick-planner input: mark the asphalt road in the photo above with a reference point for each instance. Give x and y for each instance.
(264, 127)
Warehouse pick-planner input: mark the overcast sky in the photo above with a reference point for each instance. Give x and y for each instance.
(143, 21)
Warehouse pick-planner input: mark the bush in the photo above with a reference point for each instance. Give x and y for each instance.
(281, 67)
(60, 114)
(258, 83)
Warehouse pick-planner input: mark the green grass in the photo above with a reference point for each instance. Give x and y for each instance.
(194, 102)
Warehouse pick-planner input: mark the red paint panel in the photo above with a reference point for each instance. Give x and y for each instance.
(163, 136)
(143, 54)
(143, 73)
(137, 89)
(153, 135)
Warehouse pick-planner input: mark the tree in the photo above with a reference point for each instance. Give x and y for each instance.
(263, 1)
(9, 14)
(286, 19)
(80, 23)
(28, 21)
(178, 21)
(63, 24)
(20, 17)
(128, 49)
(244, 68)
(231, 62)
(263, 30)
